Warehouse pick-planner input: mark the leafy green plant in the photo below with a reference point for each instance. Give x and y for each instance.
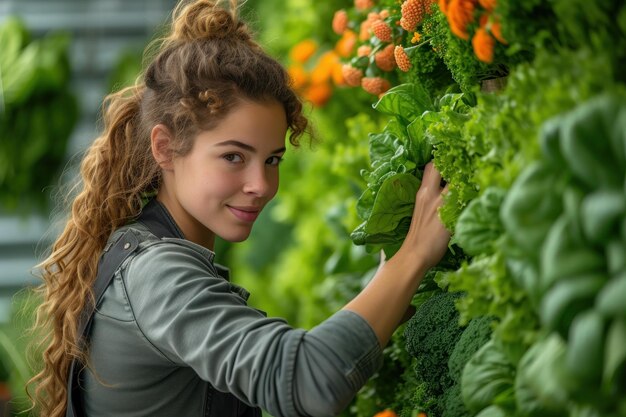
(37, 114)
(397, 156)
(577, 278)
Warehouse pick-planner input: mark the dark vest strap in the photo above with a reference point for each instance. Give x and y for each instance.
(112, 258)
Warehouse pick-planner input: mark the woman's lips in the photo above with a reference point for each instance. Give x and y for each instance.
(247, 214)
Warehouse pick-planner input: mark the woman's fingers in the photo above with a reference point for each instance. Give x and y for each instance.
(432, 178)
(427, 238)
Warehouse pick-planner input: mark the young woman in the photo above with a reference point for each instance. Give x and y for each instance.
(170, 335)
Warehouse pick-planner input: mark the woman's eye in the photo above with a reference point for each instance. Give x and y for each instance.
(233, 157)
(274, 160)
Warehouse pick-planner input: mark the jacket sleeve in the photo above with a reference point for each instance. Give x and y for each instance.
(191, 315)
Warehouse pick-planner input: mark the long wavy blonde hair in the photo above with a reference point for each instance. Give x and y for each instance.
(204, 67)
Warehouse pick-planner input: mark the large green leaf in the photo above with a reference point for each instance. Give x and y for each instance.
(479, 224)
(406, 101)
(487, 375)
(395, 200)
(539, 387)
(591, 146)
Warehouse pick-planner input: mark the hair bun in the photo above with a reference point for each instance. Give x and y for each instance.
(205, 19)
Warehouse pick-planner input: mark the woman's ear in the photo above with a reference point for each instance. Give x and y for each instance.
(161, 140)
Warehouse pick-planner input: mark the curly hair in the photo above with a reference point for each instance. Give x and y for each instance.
(200, 71)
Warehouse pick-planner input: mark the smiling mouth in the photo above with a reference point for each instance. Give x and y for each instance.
(245, 214)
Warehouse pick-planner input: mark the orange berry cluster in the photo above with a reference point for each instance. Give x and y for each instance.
(363, 4)
(413, 12)
(340, 22)
(375, 85)
(402, 59)
(380, 33)
(352, 76)
(385, 59)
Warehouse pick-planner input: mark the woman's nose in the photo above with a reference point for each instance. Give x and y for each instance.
(259, 183)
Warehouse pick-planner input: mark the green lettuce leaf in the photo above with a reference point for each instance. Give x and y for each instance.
(405, 101)
(479, 224)
(395, 200)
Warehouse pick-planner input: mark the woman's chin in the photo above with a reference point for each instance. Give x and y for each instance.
(236, 238)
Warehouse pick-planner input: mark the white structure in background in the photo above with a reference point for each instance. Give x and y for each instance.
(100, 30)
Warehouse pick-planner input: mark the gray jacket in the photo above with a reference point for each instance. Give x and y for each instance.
(170, 322)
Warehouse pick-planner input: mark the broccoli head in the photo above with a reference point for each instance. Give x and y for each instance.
(431, 336)
(475, 335)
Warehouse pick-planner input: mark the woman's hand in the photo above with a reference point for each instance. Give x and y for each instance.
(427, 238)
(385, 302)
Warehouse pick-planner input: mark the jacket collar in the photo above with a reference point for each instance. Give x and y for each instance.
(159, 221)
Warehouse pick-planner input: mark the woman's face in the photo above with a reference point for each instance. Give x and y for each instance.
(230, 174)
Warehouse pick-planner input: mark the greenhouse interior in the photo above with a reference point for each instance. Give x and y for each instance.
(519, 105)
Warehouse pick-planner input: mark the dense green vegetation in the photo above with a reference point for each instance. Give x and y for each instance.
(536, 203)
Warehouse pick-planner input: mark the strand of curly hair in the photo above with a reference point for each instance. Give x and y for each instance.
(105, 203)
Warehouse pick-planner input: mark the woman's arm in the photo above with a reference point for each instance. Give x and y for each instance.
(384, 302)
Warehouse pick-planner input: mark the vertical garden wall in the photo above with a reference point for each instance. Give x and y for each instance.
(522, 107)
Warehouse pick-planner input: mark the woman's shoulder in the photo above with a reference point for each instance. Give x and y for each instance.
(168, 251)
(169, 268)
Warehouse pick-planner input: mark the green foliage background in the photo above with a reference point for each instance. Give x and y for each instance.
(37, 115)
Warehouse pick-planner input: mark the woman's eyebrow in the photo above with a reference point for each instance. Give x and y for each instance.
(245, 146)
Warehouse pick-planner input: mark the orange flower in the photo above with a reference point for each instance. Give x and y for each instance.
(318, 94)
(488, 4)
(460, 15)
(299, 76)
(416, 37)
(386, 413)
(492, 24)
(324, 68)
(303, 50)
(337, 74)
(346, 44)
(483, 44)
(340, 21)
(443, 6)
(497, 32)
